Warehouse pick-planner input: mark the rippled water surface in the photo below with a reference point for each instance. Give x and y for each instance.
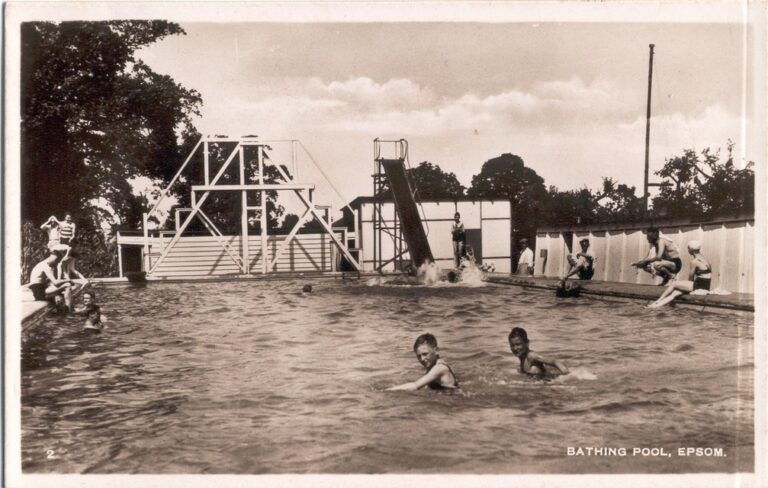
(252, 377)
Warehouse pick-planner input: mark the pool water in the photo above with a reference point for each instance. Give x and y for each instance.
(252, 377)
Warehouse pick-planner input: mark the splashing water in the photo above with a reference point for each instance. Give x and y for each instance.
(428, 273)
(472, 276)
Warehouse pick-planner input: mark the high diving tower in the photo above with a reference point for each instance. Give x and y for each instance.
(407, 232)
(234, 154)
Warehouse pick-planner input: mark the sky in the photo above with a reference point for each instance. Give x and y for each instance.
(568, 98)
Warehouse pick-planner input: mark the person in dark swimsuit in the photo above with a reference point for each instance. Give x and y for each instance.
(700, 278)
(439, 375)
(459, 239)
(532, 363)
(664, 258)
(582, 264)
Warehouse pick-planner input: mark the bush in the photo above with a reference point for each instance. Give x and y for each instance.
(98, 254)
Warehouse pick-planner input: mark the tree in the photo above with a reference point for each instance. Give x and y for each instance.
(569, 207)
(431, 182)
(703, 186)
(618, 203)
(506, 177)
(94, 116)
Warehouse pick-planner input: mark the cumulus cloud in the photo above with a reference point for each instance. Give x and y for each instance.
(570, 131)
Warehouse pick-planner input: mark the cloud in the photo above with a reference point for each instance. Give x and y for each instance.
(570, 131)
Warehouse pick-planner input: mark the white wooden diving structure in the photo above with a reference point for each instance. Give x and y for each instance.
(240, 252)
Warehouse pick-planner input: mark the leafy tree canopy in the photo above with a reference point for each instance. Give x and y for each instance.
(431, 182)
(94, 116)
(704, 186)
(507, 177)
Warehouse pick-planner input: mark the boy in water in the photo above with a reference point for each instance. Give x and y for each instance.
(93, 323)
(89, 301)
(439, 375)
(532, 363)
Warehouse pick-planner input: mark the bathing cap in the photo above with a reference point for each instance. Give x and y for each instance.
(694, 245)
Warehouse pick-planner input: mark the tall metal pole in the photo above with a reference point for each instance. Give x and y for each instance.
(647, 130)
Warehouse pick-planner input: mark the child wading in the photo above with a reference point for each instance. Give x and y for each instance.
(532, 363)
(439, 375)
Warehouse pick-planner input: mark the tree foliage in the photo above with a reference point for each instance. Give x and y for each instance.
(93, 116)
(703, 186)
(431, 182)
(506, 177)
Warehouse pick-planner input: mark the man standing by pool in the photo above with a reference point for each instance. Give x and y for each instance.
(664, 258)
(67, 229)
(459, 238)
(51, 226)
(525, 261)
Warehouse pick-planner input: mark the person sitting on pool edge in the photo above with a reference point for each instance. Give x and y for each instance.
(582, 264)
(439, 375)
(664, 258)
(531, 363)
(700, 278)
(44, 284)
(68, 271)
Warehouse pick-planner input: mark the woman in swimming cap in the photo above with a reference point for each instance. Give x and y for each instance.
(700, 278)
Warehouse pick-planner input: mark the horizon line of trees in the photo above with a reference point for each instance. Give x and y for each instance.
(94, 117)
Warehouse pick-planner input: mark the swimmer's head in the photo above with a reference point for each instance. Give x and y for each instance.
(453, 277)
(426, 350)
(68, 216)
(518, 341)
(306, 288)
(89, 298)
(584, 243)
(457, 216)
(652, 234)
(694, 247)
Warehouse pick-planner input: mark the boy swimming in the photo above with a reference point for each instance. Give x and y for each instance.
(93, 323)
(532, 363)
(439, 375)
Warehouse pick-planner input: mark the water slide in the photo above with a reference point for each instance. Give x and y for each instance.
(410, 220)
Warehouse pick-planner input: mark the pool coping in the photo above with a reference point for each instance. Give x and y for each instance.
(742, 302)
(33, 311)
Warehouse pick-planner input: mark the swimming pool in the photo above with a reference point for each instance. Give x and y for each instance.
(252, 377)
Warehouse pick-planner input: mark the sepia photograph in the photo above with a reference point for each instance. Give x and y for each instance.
(384, 244)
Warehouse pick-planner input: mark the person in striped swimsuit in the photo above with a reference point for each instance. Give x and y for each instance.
(67, 230)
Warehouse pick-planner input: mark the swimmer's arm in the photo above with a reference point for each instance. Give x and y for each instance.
(53, 279)
(432, 375)
(550, 362)
(47, 224)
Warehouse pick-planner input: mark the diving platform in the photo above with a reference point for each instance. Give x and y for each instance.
(247, 167)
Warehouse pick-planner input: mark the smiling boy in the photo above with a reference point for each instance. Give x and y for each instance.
(439, 375)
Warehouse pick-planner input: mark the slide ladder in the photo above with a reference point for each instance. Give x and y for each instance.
(408, 211)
